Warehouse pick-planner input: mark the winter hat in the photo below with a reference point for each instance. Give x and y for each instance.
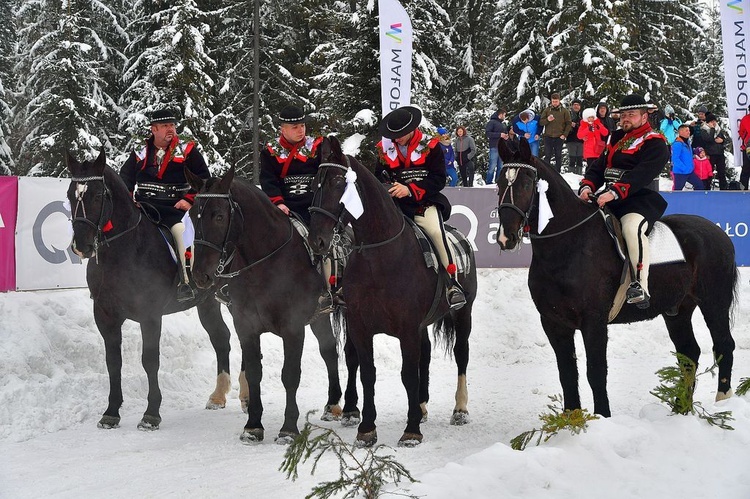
(710, 117)
(163, 116)
(291, 115)
(668, 110)
(576, 101)
(702, 109)
(589, 112)
(442, 130)
(698, 150)
(400, 122)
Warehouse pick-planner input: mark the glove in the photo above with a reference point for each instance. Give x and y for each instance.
(591, 128)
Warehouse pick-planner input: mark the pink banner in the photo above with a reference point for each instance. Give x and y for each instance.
(8, 211)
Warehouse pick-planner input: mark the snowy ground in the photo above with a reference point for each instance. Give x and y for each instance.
(53, 388)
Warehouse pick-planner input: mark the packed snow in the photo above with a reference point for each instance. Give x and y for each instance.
(53, 389)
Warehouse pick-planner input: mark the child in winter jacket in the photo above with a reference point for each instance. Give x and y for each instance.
(593, 133)
(449, 156)
(527, 125)
(702, 167)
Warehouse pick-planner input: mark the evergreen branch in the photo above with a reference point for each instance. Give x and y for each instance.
(743, 387)
(557, 419)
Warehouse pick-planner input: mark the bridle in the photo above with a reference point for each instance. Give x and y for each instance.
(342, 218)
(100, 238)
(225, 255)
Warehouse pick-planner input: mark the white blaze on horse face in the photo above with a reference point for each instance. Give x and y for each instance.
(511, 174)
(80, 191)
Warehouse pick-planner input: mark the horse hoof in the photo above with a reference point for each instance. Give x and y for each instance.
(460, 418)
(213, 406)
(724, 395)
(367, 439)
(252, 436)
(352, 418)
(285, 438)
(108, 422)
(149, 423)
(410, 440)
(331, 413)
(244, 403)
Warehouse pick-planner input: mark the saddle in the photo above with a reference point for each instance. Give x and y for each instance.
(459, 246)
(664, 248)
(340, 252)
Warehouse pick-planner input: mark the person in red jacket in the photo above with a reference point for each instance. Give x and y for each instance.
(413, 163)
(594, 134)
(745, 136)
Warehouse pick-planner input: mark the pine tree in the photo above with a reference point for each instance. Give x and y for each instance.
(709, 67)
(62, 97)
(7, 40)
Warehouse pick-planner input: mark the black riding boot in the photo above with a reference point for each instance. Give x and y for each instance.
(637, 295)
(184, 292)
(222, 295)
(455, 295)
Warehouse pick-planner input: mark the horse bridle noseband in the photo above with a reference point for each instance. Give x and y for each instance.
(80, 192)
(225, 257)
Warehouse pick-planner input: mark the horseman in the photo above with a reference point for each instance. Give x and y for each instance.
(413, 165)
(157, 169)
(288, 165)
(634, 156)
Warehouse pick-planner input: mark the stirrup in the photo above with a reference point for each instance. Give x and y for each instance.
(222, 295)
(456, 297)
(184, 292)
(637, 296)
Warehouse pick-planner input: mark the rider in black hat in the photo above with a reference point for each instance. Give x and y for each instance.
(634, 156)
(157, 168)
(414, 164)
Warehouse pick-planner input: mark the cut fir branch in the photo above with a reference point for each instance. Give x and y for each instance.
(743, 387)
(554, 421)
(364, 472)
(677, 387)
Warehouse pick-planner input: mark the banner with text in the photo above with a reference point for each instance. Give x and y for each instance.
(44, 259)
(735, 23)
(8, 210)
(395, 55)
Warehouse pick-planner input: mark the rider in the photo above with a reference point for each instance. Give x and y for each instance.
(157, 168)
(288, 166)
(634, 156)
(413, 162)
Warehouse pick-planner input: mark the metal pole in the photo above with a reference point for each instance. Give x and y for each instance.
(256, 91)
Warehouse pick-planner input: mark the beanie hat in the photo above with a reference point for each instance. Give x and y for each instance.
(668, 110)
(710, 117)
(589, 112)
(698, 150)
(702, 109)
(442, 130)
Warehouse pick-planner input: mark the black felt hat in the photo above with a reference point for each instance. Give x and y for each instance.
(632, 101)
(291, 115)
(164, 116)
(400, 122)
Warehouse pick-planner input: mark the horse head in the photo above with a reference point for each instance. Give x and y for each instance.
(218, 225)
(327, 213)
(516, 186)
(90, 203)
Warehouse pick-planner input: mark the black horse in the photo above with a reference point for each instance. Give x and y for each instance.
(389, 289)
(243, 239)
(131, 275)
(575, 274)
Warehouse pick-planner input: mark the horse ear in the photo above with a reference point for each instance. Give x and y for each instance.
(336, 149)
(226, 181)
(100, 162)
(194, 180)
(74, 167)
(325, 149)
(525, 150)
(504, 151)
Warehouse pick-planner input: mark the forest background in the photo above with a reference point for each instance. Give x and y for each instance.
(84, 74)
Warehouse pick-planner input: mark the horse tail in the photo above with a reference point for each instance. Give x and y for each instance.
(338, 322)
(444, 333)
(735, 296)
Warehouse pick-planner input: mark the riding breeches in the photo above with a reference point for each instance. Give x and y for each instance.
(178, 230)
(432, 223)
(634, 229)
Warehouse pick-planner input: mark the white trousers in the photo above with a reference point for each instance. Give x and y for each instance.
(431, 222)
(634, 227)
(177, 230)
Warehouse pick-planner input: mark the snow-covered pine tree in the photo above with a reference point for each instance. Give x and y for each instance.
(62, 98)
(709, 67)
(169, 67)
(7, 41)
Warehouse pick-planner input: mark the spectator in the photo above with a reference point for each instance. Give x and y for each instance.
(526, 125)
(594, 134)
(696, 126)
(495, 130)
(602, 113)
(682, 161)
(670, 124)
(714, 138)
(448, 155)
(573, 143)
(655, 115)
(557, 125)
(703, 167)
(745, 138)
(465, 150)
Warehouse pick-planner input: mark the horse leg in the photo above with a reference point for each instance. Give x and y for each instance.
(351, 415)
(424, 372)
(462, 320)
(595, 340)
(294, 340)
(322, 330)
(410, 369)
(244, 395)
(151, 334)
(251, 358)
(367, 433)
(111, 330)
(562, 340)
(718, 321)
(209, 313)
(681, 333)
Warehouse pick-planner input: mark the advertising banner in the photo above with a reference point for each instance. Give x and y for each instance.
(8, 210)
(395, 55)
(735, 26)
(44, 259)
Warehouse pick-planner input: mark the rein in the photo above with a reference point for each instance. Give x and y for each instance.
(224, 259)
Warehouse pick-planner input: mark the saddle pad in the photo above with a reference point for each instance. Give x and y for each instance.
(454, 236)
(663, 245)
(188, 236)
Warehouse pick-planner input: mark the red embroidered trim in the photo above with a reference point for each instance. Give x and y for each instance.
(417, 192)
(277, 199)
(622, 189)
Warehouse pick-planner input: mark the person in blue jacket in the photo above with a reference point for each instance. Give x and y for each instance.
(526, 124)
(450, 157)
(682, 161)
